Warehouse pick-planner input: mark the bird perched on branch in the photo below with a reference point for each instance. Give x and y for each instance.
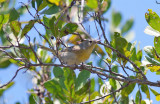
(75, 54)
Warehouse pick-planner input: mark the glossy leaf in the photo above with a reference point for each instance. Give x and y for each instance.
(127, 26)
(81, 79)
(28, 27)
(157, 44)
(116, 18)
(16, 27)
(52, 10)
(14, 15)
(152, 61)
(92, 4)
(153, 19)
(149, 51)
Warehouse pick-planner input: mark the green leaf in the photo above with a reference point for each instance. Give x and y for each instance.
(113, 83)
(124, 100)
(28, 27)
(121, 44)
(139, 55)
(16, 27)
(114, 56)
(46, 23)
(92, 4)
(157, 44)
(52, 10)
(53, 27)
(138, 97)
(53, 87)
(38, 3)
(152, 61)
(4, 61)
(70, 78)
(3, 19)
(133, 56)
(127, 90)
(59, 73)
(42, 5)
(145, 89)
(31, 99)
(68, 28)
(127, 26)
(153, 19)
(82, 79)
(6, 88)
(149, 51)
(154, 92)
(116, 18)
(14, 15)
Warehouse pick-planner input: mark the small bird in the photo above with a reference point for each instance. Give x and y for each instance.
(76, 54)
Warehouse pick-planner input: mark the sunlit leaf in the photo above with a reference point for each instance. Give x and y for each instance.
(153, 19)
(154, 92)
(113, 83)
(149, 51)
(54, 1)
(92, 4)
(150, 31)
(157, 44)
(153, 68)
(152, 60)
(158, 97)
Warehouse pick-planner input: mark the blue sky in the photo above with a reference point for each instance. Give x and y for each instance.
(129, 9)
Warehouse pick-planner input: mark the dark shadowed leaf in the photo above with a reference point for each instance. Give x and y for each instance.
(14, 15)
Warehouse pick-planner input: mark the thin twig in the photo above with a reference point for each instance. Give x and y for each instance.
(12, 77)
